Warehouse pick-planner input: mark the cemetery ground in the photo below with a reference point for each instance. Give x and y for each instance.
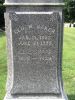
(68, 63)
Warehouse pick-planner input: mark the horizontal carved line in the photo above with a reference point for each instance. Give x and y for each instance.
(34, 12)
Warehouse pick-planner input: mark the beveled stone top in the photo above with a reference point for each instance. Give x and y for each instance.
(34, 2)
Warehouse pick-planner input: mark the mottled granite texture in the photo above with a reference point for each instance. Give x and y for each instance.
(35, 53)
(34, 42)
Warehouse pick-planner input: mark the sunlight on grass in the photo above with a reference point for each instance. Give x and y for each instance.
(69, 62)
(3, 64)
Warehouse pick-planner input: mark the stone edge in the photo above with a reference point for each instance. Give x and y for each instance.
(7, 97)
(34, 4)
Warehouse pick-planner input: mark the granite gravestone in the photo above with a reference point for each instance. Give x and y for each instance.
(34, 40)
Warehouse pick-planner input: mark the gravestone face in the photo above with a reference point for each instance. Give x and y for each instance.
(35, 51)
(34, 42)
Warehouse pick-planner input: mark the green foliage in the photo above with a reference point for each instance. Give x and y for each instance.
(69, 11)
(2, 10)
(1, 1)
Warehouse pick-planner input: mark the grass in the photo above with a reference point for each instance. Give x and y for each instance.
(2, 65)
(68, 63)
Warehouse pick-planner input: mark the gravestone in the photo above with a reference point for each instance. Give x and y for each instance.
(34, 30)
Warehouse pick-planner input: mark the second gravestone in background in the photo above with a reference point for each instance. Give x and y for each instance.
(34, 40)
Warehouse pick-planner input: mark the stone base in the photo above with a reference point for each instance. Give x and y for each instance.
(33, 98)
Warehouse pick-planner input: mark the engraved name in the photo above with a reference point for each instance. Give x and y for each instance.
(28, 27)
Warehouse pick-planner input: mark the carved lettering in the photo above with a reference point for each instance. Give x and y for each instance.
(27, 40)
